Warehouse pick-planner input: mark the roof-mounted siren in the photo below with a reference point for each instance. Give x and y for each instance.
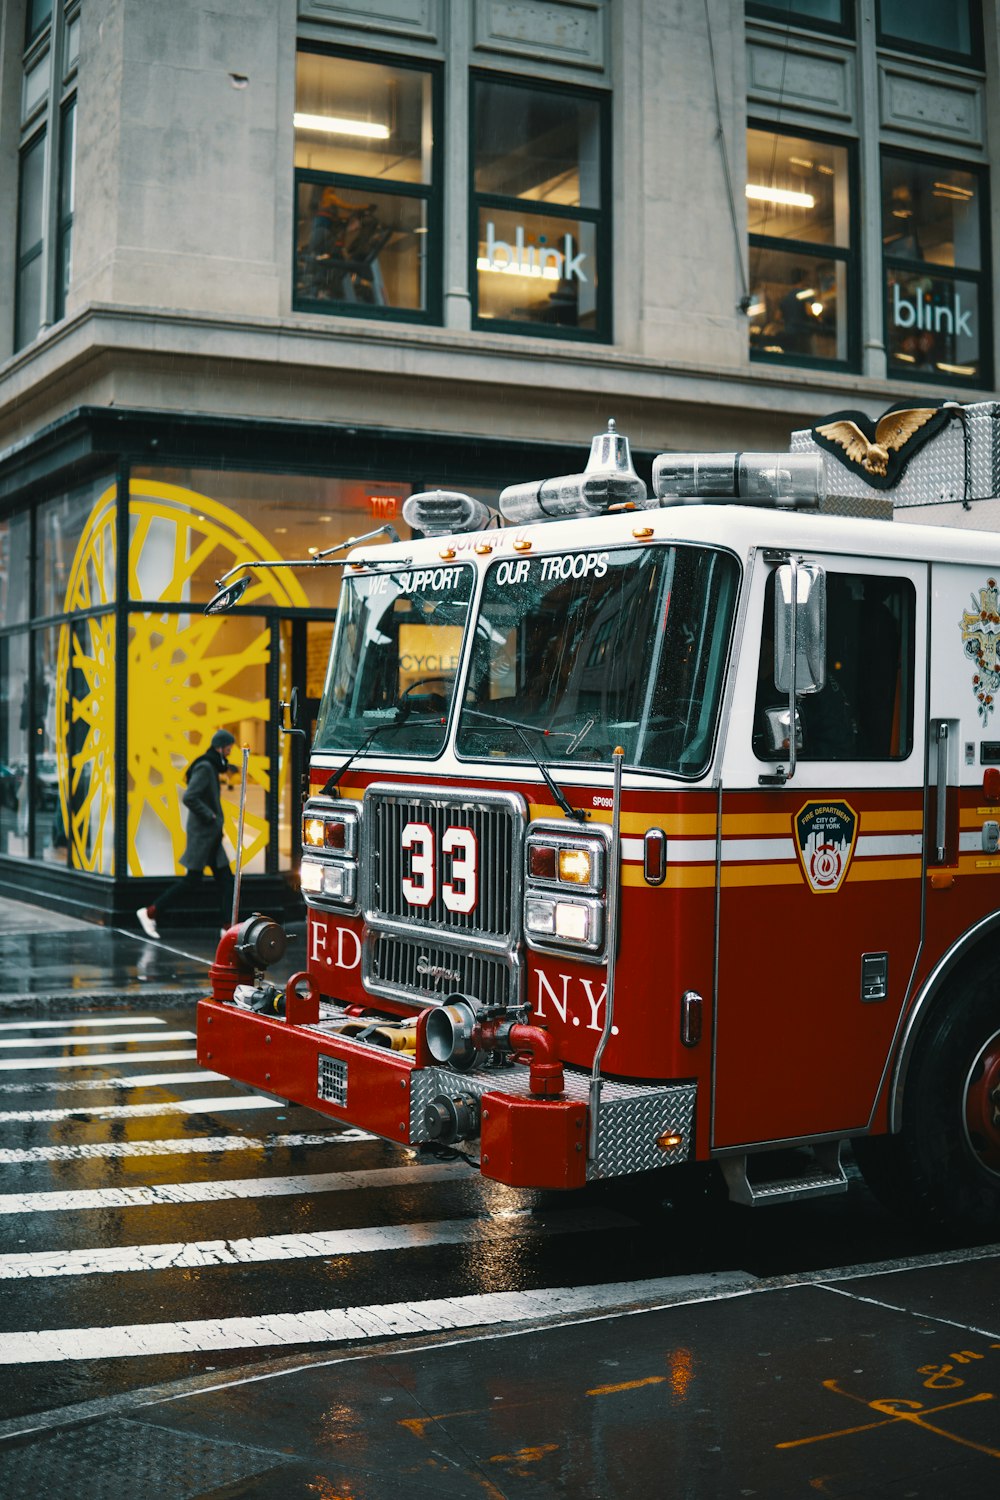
(445, 512)
(781, 481)
(608, 482)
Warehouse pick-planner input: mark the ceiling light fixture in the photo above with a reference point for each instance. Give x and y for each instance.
(337, 125)
(787, 199)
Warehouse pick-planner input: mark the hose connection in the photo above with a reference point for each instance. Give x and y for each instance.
(461, 1033)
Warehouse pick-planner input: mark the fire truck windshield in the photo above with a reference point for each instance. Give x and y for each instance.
(395, 654)
(593, 649)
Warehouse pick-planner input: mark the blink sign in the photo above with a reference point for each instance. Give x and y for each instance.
(925, 312)
(538, 259)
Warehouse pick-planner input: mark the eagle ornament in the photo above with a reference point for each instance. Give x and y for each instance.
(879, 450)
(893, 431)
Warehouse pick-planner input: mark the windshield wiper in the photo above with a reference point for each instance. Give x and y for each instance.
(519, 728)
(331, 784)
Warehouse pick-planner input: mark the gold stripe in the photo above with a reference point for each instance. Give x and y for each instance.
(679, 877)
(884, 869)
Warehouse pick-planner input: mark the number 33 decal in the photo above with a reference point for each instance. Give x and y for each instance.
(420, 886)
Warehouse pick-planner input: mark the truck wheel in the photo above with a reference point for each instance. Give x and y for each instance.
(944, 1166)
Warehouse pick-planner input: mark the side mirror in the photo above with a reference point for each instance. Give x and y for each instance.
(288, 722)
(227, 597)
(810, 628)
(293, 707)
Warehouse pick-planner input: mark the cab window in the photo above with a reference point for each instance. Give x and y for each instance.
(865, 710)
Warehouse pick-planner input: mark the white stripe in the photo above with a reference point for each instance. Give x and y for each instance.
(97, 1041)
(328, 1325)
(22, 1064)
(185, 1255)
(205, 1106)
(135, 1081)
(79, 1021)
(82, 1199)
(197, 1145)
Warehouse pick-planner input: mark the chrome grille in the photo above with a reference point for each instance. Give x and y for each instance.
(495, 819)
(408, 967)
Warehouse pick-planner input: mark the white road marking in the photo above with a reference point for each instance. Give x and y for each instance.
(97, 1041)
(82, 1199)
(23, 1064)
(206, 1145)
(81, 1021)
(134, 1081)
(185, 1255)
(204, 1106)
(327, 1325)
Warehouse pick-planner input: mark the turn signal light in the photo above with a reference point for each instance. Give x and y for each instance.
(335, 835)
(542, 861)
(314, 832)
(574, 866)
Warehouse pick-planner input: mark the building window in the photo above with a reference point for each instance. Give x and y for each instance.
(948, 33)
(367, 219)
(539, 230)
(48, 148)
(937, 314)
(817, 15)
(803, 299)
(30, 242)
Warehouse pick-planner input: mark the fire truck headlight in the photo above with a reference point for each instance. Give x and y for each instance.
(330, 825)
(540, 916)
(340, 883)
(311, 876)
(572, 922)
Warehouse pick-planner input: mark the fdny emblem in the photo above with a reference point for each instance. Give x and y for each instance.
(825, 835)
(981, 638)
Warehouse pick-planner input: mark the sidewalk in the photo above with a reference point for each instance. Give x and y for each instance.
(47, 958)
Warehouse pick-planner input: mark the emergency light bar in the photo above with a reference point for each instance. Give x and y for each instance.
(608, 480)
(444, 512)
(787, 481)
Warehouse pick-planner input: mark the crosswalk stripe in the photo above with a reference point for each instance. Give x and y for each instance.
(189, 1254)
(213, 1104)
(25, 1064)
(82, 1021)
(329, 1325)
(96, 1041)
(83, 1199)
(207, 1145)
(133, 1081)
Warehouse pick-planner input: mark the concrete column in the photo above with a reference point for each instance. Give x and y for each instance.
(457, 298)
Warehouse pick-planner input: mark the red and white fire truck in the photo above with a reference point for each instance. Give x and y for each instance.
(650, 830)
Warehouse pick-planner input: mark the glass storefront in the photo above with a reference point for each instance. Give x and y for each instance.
(539, 189)
(798, 193)
(184, 674)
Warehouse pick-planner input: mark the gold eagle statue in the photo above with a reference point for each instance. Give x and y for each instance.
(893, 431)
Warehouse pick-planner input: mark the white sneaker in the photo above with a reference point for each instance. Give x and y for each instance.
(146, 922)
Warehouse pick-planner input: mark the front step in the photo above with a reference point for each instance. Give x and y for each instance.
(820, 1179)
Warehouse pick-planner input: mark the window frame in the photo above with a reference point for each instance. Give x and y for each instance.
(974, 58)
(981, 278)
(850, 256)
(600, 217)
(759, 10)
(431, 194)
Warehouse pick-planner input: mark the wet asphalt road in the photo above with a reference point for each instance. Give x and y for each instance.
(160, 1225)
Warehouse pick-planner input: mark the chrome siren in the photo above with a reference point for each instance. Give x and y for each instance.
(608, 480)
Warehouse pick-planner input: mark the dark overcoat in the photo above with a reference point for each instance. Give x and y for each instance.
(204, 804)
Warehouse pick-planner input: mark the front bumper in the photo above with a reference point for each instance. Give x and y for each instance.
(524, 1141)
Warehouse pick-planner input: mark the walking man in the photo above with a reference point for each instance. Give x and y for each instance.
(204, 838)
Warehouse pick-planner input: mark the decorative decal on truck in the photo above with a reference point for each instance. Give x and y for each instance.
(981, 635)
(825, 835)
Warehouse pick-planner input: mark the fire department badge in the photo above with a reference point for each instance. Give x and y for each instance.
(825, 835)
(981, 638)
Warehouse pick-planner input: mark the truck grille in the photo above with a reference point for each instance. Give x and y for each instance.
(409, 968)
(497, 822)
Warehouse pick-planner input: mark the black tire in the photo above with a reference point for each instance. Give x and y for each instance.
(943, 1168)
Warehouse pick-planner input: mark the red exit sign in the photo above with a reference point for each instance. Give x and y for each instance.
(383, 507)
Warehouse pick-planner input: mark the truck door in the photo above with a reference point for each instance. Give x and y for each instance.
(821, 876)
